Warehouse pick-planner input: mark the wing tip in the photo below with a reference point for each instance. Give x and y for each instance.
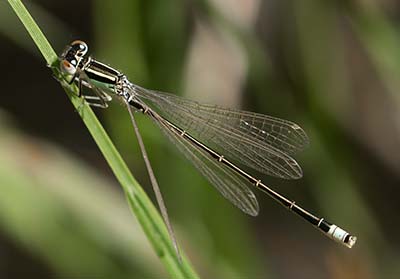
(302, 136)
(252, 208)
(292, 172)
(252, 212)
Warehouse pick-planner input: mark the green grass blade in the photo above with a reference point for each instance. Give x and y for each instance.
(141, 205)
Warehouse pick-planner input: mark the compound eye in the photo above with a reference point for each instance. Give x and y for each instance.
(67, 67)
(82, 47)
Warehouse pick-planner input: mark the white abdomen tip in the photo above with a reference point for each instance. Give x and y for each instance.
(341, 236)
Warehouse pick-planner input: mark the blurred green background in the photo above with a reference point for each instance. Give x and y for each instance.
(333, 67)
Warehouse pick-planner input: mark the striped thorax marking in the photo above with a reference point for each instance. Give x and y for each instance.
(130, 98)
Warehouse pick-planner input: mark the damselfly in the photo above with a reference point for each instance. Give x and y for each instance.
(213, 139)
